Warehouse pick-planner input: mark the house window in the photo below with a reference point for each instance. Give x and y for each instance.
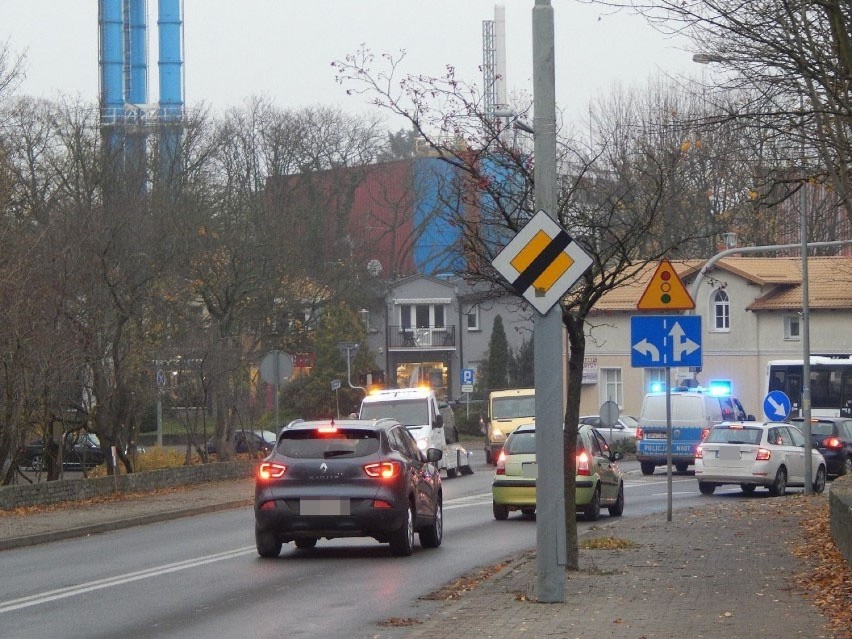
(721, 311)
(473, 319)
(405, 316)
(421, 316)
(438, 314)
(611, 388)
(791, 328)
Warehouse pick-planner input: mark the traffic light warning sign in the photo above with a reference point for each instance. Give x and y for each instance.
(665, 291)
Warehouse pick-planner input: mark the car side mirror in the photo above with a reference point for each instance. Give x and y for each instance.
(439, 421)
(434, 455)
(750, 417)
(616, 456)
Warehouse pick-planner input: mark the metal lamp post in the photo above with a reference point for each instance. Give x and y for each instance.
(707, 58)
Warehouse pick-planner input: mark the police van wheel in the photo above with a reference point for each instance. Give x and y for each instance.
(647, 468)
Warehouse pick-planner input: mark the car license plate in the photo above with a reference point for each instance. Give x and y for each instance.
(729, 453)
(530, 470)
(655, 435)
(324, 506)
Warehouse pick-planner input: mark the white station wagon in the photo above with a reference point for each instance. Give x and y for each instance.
(752, 454)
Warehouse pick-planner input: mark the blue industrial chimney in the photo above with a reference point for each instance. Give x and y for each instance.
(111, 27)
(123, 30)
(137, 92)
(170, 28)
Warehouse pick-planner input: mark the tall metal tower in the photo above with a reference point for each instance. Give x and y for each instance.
(494, 61)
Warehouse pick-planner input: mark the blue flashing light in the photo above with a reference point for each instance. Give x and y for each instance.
(719, 387)
(657, 387)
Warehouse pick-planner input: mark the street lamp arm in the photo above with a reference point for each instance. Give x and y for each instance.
(514, 120)
(709, 264)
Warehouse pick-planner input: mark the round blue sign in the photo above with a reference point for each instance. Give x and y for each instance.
(776, 406)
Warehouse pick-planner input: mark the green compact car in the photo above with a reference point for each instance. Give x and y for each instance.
(600, 483)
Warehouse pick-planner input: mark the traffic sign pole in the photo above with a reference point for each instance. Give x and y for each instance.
(549, 387)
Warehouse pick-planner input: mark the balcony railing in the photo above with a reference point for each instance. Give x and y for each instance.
(431, 337)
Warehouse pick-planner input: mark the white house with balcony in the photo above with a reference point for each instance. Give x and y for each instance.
(425, 329)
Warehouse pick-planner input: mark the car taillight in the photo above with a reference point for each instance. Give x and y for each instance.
(704, 433)
(501, 463)
(270, 470)
(639, 433)
(762, 455)
(833, 443)
(699, 452)
(383, 470)
(583, 463)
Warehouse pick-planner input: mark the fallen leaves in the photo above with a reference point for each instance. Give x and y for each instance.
(465, 583)
(607, 543)
(828, 580)
(399, 622)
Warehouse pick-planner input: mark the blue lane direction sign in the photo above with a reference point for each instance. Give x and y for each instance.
(776, 406)
(665, 341)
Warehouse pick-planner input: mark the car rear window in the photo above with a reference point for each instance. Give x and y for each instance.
(520, 444)
(684, 408)
(817, 428)
(727, 435)
(316, 444)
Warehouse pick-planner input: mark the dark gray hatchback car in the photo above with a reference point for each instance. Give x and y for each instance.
(348, 478)
(832, 436)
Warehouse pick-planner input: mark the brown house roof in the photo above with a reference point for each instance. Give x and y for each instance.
(829, 280)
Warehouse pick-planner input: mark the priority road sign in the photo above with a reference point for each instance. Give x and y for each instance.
(542, 262)
(665, 291)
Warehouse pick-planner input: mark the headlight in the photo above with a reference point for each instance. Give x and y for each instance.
(497, 435)
(423, 443)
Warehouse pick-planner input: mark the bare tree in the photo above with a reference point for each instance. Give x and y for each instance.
(792, 59)
(616, 195)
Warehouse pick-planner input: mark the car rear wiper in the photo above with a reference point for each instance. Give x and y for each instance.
(336, 453)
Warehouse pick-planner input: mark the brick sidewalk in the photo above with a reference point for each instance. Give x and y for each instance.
(720, 572)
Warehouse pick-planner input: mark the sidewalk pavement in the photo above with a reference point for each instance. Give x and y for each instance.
(724, 571)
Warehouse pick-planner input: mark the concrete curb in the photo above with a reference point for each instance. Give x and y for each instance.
(117, 524)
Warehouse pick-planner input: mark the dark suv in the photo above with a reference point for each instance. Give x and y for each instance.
(832, 436)
(348, 478)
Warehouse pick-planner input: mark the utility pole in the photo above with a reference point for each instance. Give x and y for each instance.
(548, 339)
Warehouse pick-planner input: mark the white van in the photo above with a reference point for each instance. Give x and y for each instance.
(693, 414)
(432, 424)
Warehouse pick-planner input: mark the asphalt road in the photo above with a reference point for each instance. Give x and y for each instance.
(201, 577)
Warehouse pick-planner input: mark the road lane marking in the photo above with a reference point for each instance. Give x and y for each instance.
(98, 584)
(480, 499)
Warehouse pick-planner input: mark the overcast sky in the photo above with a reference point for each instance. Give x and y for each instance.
(283, 49)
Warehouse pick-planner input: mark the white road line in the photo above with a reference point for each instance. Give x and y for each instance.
(480, 499)
(98, 584)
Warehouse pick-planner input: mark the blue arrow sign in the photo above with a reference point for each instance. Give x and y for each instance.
(665, 341)
(466, 376)
(776, 406)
